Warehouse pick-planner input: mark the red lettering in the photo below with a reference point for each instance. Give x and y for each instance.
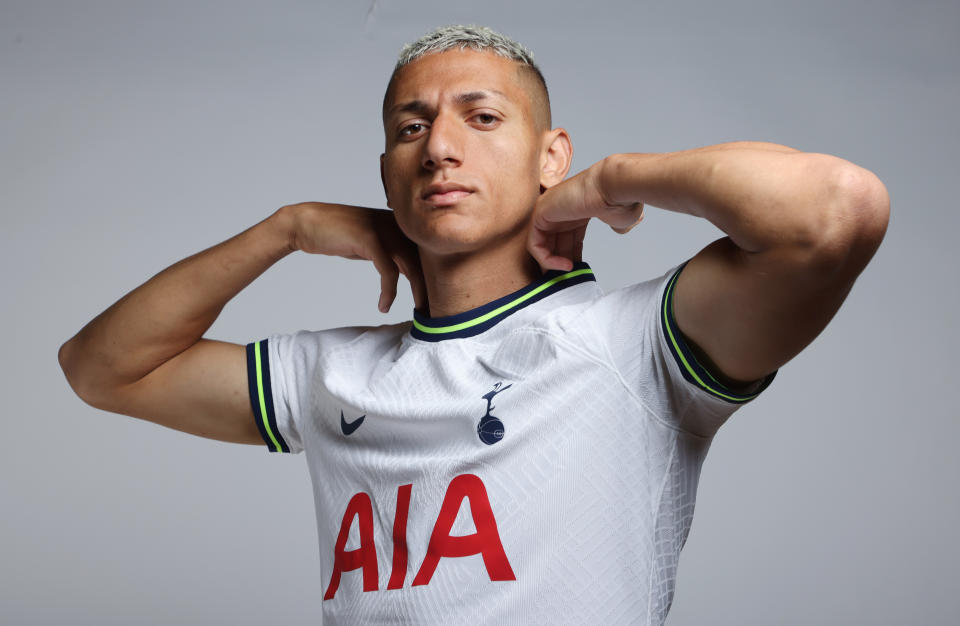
(486, 541)
(399, 572)
(363, 557)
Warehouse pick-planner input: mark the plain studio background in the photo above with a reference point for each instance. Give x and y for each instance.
(133, 134)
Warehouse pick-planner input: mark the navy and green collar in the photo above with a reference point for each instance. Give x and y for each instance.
(475, 321)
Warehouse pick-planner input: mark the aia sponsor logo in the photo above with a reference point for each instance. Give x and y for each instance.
(485, 541)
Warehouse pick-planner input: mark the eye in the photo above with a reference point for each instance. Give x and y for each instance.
(411, 129)
(486, 119)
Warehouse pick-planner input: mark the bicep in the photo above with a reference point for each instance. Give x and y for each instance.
(202, 391)
(748, 314)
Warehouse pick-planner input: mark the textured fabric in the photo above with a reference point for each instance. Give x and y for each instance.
(543, 470)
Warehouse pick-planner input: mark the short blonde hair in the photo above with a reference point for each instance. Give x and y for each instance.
(471, 37)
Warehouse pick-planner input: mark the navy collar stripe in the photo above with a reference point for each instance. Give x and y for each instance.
(476, 321)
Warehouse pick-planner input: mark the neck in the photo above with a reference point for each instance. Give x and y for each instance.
(460, 282)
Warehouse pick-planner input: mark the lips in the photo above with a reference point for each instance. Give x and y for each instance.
(445, 194)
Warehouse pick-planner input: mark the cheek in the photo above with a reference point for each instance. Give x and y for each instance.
(390, 172)
(406, 227)
(396, 184)
(517, 181)
(399, 158)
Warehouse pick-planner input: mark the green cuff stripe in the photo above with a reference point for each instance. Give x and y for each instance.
(263, 402)
(261, 396)
(691, 369)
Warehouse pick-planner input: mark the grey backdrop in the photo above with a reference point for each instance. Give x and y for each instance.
(133, 134)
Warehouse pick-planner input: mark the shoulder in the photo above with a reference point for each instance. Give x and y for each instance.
(312, 346)
(602, 324)
(623, 327)
(623, 305)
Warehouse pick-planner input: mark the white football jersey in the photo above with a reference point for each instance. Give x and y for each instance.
(533, 460)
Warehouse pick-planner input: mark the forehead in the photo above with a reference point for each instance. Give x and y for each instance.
(434, 76)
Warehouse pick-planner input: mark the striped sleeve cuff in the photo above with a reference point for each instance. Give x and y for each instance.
(692, 370)
(261, 396)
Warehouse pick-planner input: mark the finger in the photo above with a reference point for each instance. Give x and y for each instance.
(570, 244)
(539, 246)
(581, 234)
(406, 256)
(566, 244)
(389, 275)
(636, 213)
(388, 288)
(544, 251)
(410, 267)
(557, 262)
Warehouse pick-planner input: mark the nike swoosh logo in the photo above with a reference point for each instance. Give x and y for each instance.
(349, 427)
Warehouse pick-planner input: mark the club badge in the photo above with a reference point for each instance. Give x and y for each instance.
(490, 428)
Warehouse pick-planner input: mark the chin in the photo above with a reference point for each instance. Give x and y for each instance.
(451, 240)
(455, 232)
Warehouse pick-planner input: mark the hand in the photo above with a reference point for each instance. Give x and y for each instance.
(356, 232)
(561, 215)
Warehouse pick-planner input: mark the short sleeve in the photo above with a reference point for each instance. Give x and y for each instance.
(272, 380)
(637, 329)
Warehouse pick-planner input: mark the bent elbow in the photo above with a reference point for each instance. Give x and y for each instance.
(871, 210)
(66, 362)
(73, 371)
(854, 223)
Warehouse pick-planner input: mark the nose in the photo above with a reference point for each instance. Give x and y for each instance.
(444, 145)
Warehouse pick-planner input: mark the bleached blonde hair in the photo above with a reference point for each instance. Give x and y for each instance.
(471, 37)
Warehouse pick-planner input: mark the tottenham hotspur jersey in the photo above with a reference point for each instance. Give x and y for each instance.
(533, 460)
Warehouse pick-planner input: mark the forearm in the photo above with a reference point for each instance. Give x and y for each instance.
(763, 196)
(171, 311)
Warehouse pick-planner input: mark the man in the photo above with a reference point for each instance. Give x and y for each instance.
(527, 448)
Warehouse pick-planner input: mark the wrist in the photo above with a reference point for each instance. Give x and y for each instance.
(286, 223)
(635, 177)
(282, 225)
(611, 180)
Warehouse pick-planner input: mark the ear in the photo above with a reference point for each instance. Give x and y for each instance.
(383, 181)
(555, 158)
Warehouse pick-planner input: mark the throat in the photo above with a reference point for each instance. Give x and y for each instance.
(456, 284)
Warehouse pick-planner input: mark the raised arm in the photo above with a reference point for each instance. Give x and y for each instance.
(145, 356)
(800, 228)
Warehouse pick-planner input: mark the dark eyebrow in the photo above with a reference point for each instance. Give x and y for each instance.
(422, 108)
(474, 96)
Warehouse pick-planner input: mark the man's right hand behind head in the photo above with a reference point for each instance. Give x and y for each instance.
(356, 232)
